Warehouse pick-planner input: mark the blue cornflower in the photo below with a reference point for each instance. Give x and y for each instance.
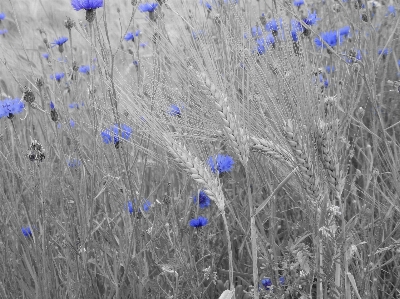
(206, 4)
(3, 32)
(266, 282)
(384, 52)
(321, 79)
(130, 207)
(199, 222)
(197, 34)
(391, 11)
(269, 39)
(330, 69)
(330, 37)
(204, 200)
(10, 107)
(74, 163)
(223, 163)
(174, 111)
(150, 7)
(345, 31)
(26, 231)
(73, 105)
(136, 63)
(282, 280)
(143, 45)
(311, 18)
(72, 123)
(298, 3)
(107, 134)
(86, 4)
(272, 25)
(45, 55)
(256, 31)
(51, 105)
(57, 76)
(261, 46)
(60, 41)
(131, 36)
(84, 69)
(2, 16)
(146, 205)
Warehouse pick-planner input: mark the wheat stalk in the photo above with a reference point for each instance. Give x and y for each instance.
(302, 160)
(238, 136)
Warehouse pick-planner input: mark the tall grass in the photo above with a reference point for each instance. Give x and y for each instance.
(107, 170)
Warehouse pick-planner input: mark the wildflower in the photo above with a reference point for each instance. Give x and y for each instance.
(204, 200)
(260, 46)
(174, 111)
(51, 105)
(322, 80)
(329, 69)
(26, 231)
(57, 76)
(147, 7)
(3, 32)
(330, 37)
(89, 5)
(206, 4)
(107, 135)
(130, 207)
(86, 4)
(272, 25)
(266, 282)
(298, 3)
(73, 163)
(345, 31)
(131, 36)
(136, 63)
(282, 280)
(146, 205)
(84, 69)
(391, 11)
(269, 39)
(384, 52)
(73, 105)
(311, 18)
(72, 123)
(197, 34)
(10, 107)
(2, 16)
(45, 55)
(60, 43)
(199, 222)
(143, 45)
(224, 163)
(256, 31)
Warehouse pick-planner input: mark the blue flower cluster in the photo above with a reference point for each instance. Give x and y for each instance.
(131, 36)
(204, 200)
(60, 41)
(73, 163)
(26, 231)
(57, 76)
(10, 107)
(332, 38)
(108, 134)
(146, 206)
(174, 111)
(147, 7)
(86, 4)
(222, 163)
(198, 222)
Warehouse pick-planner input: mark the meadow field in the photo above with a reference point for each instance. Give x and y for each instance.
(199, 149)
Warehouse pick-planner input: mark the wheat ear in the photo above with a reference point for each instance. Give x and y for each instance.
(329, 160)
(302, 160)
(270, 149)
(238, 136)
